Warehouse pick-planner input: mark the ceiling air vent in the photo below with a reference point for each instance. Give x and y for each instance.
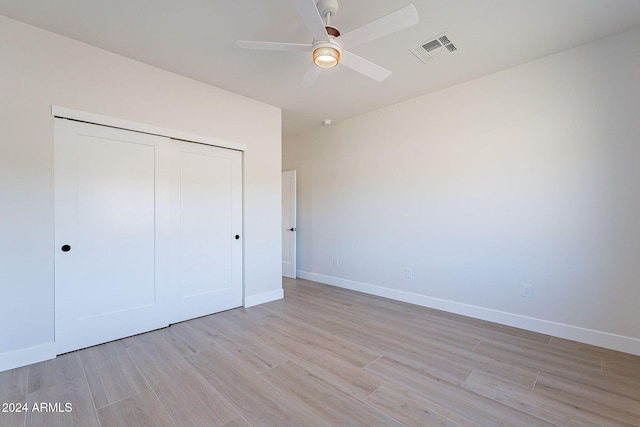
(435, 47)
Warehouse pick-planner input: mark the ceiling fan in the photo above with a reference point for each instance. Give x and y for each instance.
(329, 47)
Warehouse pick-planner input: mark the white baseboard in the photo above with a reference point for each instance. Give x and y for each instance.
(27, 356)
(251, 300)
(560, 330)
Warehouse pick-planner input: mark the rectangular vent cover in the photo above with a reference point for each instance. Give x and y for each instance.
(435, 47)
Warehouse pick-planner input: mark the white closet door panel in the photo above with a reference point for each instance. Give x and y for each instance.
(116, 226)
(109, 210)
(205, 217)
(207, 207)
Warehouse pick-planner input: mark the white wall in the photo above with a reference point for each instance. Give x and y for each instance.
(529, 175)
(39, 69)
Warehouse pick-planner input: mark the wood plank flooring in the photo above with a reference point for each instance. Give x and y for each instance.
(326, 356)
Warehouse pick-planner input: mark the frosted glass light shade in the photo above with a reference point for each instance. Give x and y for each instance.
(326, 57)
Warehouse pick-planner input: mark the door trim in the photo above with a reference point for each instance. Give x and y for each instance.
(82, 116)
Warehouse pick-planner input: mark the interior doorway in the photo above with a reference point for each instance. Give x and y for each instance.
(289, 230)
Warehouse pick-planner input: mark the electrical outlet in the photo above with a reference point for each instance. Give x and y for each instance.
(526, 290)
(408, 273)
(336, 261)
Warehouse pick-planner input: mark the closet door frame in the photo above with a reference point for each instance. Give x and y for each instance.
(90, 118)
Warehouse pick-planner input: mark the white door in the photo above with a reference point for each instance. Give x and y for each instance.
(207, 230)
(111, 259)
(289, 224)
(145, 232)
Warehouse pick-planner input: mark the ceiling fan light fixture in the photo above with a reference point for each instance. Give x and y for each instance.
(326, 45)
(326, 56)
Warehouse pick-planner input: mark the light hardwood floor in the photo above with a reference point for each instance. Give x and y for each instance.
(326, 356)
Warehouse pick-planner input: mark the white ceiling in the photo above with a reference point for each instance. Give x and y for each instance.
(197, 39)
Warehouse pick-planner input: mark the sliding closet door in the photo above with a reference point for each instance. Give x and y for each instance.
(148, 232)
(112, 206)
(207, 230)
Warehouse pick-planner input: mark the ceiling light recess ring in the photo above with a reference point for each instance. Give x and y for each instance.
(326, 55)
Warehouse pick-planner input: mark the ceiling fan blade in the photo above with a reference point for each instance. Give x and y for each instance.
(312, 19)
(246, 44)
(395, 21)
(311, 75)
(363, 66)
